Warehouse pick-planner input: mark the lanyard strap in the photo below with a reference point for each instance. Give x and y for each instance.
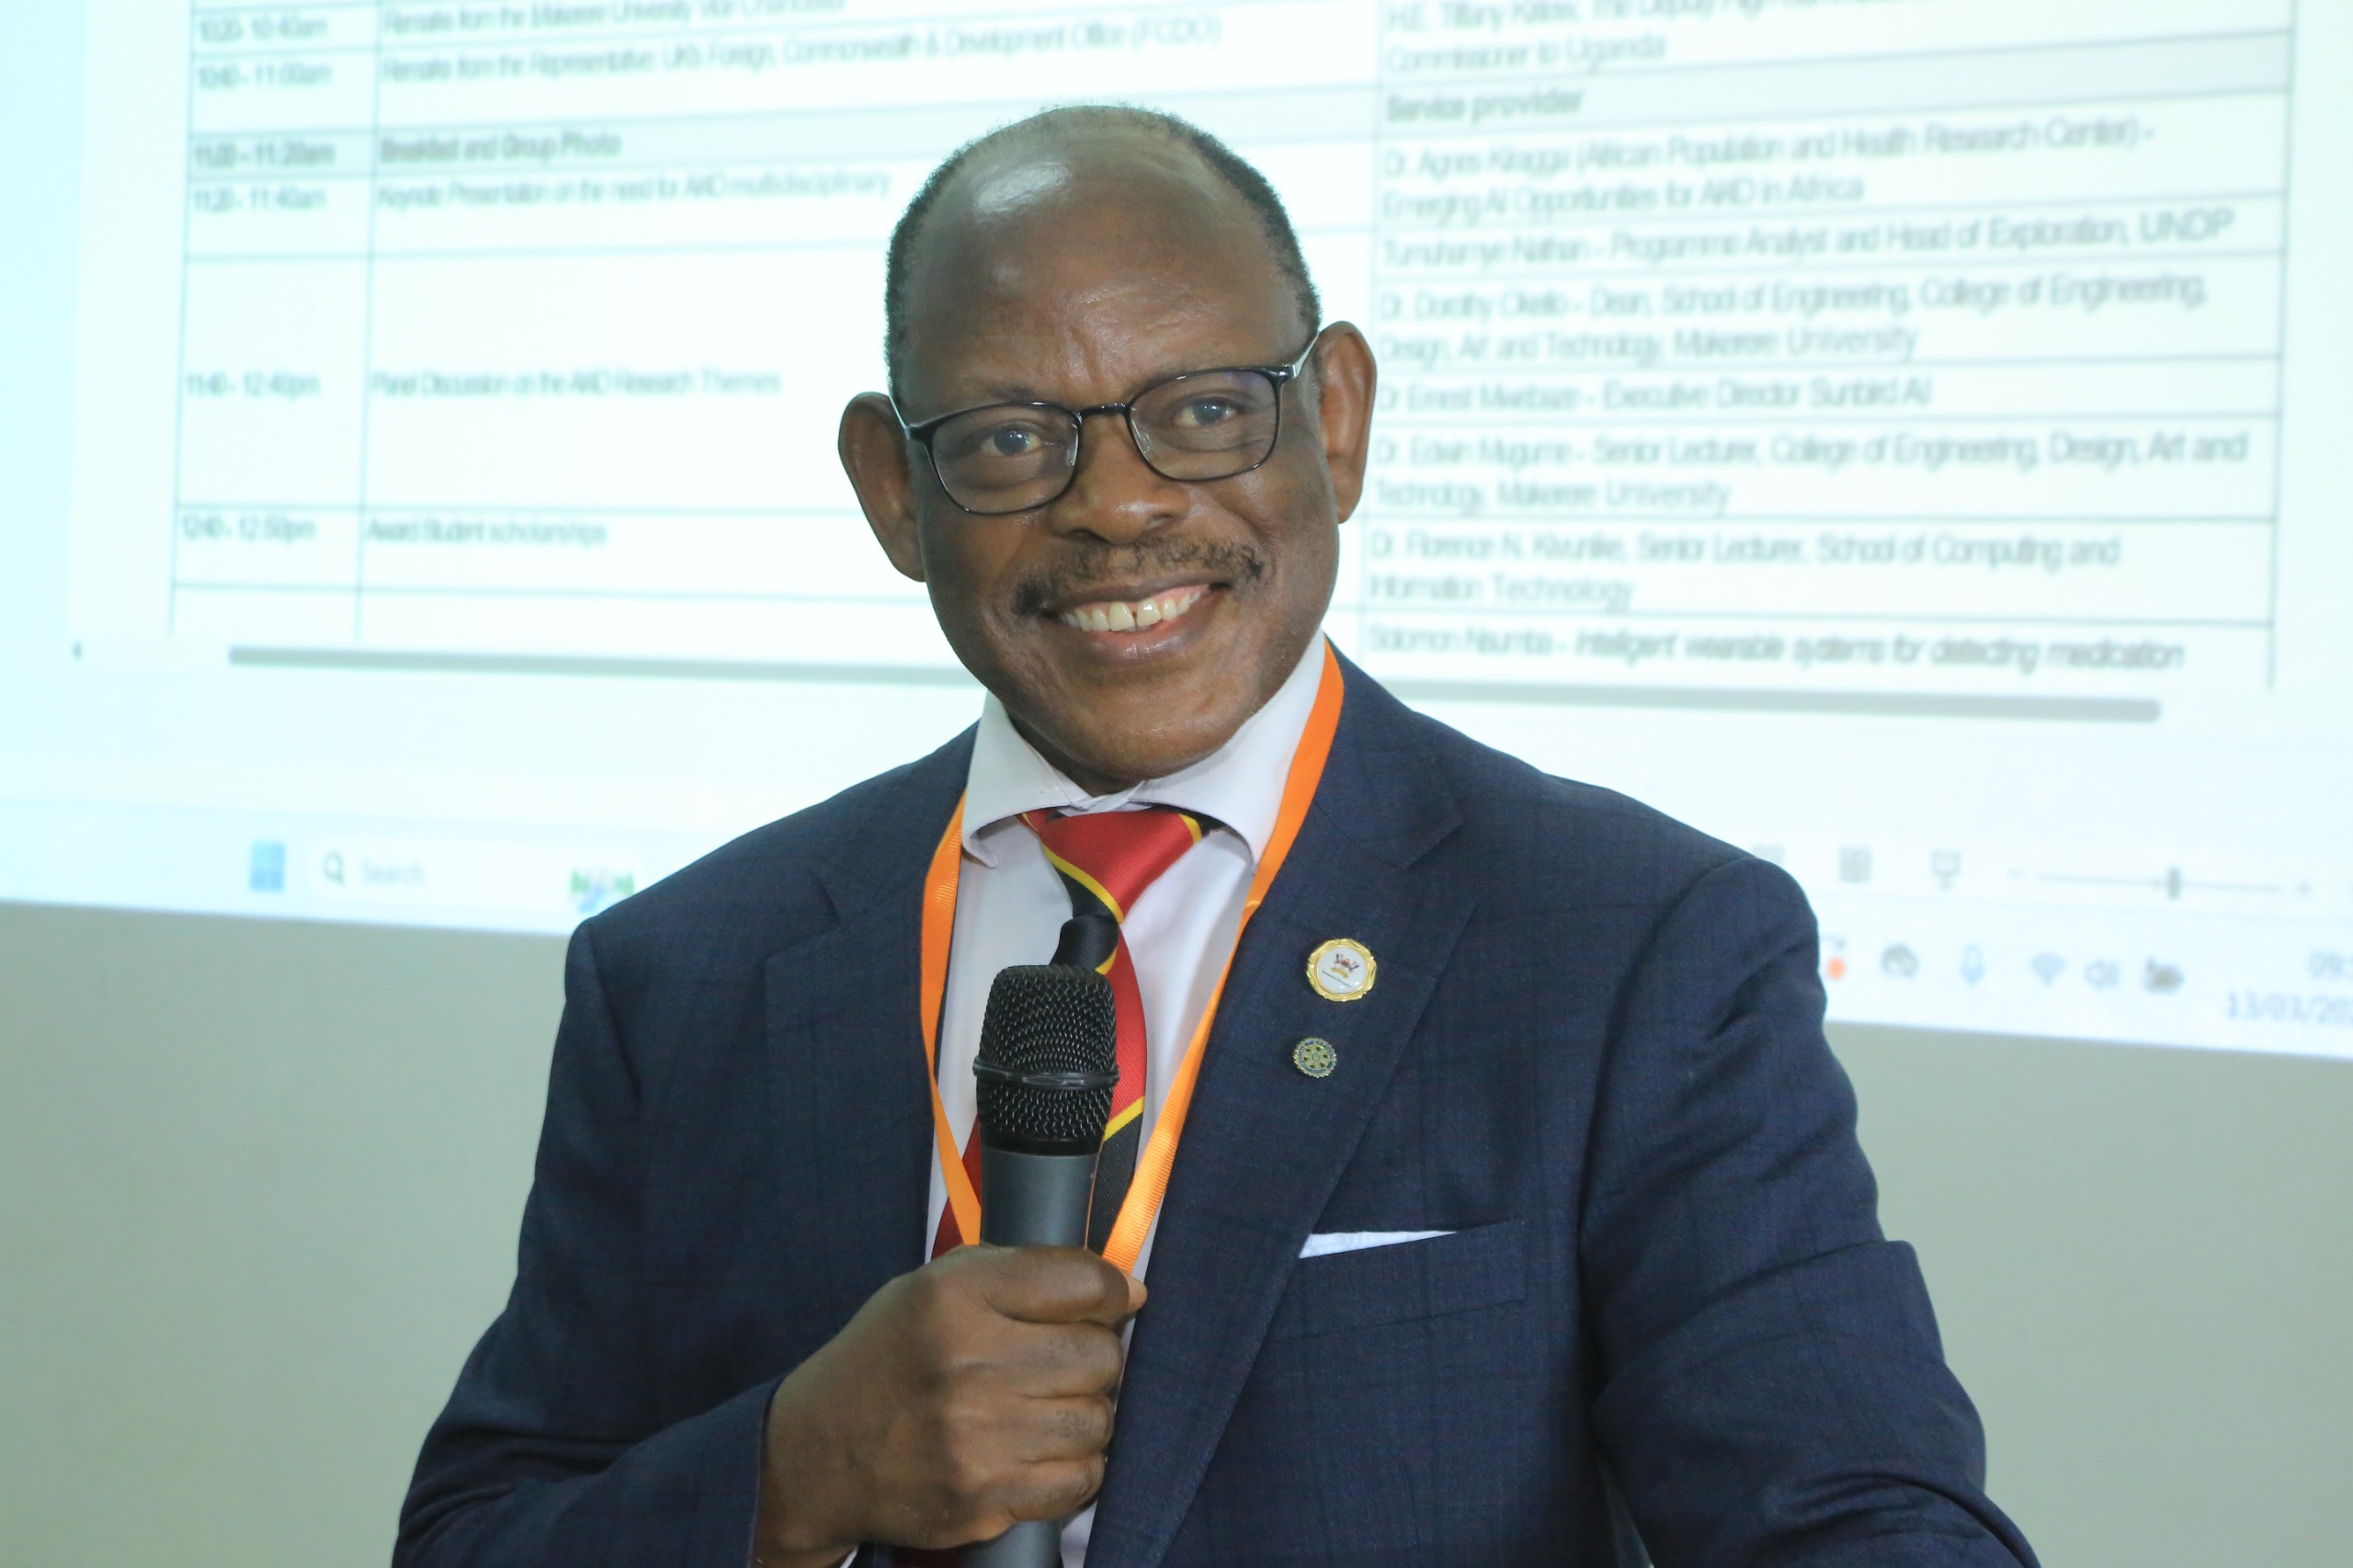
(1151, 1182)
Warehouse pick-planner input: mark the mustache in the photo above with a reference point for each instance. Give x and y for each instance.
(1089, 567)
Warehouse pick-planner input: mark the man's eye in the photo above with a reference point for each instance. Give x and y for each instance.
(1014, 440)
(1201, 412)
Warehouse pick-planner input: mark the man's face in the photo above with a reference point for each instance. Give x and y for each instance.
(1132, 624)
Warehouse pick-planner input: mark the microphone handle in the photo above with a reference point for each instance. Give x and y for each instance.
(1034, 1200)
(1031, 1201)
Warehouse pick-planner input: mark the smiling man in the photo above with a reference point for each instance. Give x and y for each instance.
(1498, 1196)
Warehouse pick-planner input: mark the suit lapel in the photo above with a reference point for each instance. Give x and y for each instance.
(846, 1054)
(1264, 1145)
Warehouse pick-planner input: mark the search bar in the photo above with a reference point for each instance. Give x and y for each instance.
(470, 874)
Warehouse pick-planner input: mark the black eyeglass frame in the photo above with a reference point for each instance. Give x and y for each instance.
(1280, 375)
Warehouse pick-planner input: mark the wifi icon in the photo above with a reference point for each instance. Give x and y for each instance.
(2047, 967)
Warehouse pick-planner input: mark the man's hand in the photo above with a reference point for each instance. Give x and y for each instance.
(971, 1393)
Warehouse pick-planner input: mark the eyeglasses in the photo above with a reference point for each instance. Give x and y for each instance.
(1204, 425)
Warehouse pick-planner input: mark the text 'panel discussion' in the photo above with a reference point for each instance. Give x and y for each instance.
(1192, 784)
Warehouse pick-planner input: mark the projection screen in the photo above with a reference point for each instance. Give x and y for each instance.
(1903, 438)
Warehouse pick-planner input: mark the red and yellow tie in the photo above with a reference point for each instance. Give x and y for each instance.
(1106, 860)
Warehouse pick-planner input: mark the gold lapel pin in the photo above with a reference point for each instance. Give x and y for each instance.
(1342, 969)
(1315, 1057)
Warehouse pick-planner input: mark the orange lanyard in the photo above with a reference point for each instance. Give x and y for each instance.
(1149, 1183)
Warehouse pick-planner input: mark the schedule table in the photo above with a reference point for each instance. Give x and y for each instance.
(1895, 347)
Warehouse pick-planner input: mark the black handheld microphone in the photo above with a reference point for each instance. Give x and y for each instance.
(1047, 1062)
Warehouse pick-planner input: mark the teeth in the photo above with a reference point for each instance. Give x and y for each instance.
(1133, 616)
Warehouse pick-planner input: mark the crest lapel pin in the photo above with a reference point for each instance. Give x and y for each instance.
(1342, 969)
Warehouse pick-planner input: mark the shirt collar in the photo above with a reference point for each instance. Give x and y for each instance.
(1240, 784)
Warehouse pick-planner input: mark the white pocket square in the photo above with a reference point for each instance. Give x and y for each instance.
(1329, 1242)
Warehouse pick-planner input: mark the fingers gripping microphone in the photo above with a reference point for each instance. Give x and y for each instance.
(1048, 1062)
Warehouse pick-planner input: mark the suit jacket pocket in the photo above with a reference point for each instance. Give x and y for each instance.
(1484, 1267)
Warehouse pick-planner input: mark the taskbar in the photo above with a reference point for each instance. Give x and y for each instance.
(2261, 963)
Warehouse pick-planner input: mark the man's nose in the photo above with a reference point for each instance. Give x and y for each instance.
(1115, 496)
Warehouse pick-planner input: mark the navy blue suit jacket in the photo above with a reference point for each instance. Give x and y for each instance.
(1594, 1054)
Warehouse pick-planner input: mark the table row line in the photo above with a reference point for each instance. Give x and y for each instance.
(786, 206)
(2092, 468)
(2211, 571)
(1278, 50)
(1761, 653)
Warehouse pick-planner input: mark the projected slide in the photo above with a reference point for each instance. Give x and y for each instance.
(1887, 433)
(1941, 377)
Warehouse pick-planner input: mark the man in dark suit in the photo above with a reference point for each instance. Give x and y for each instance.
(1509, 1203)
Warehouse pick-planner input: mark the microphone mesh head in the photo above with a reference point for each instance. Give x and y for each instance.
(1046, 1017)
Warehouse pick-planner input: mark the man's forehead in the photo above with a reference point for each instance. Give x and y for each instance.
(1099, 245)
(1090, 344)
(1058, 245)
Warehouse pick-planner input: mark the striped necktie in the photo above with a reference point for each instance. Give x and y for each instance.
(1106, 860)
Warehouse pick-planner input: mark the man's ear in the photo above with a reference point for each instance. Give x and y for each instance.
(874, 454)
(1346, 381)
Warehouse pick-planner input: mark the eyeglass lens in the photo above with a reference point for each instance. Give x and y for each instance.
(1011, 457)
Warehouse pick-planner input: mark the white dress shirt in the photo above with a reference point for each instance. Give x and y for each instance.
(1010, 905)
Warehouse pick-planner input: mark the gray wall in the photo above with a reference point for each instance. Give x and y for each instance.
(258, 1188)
